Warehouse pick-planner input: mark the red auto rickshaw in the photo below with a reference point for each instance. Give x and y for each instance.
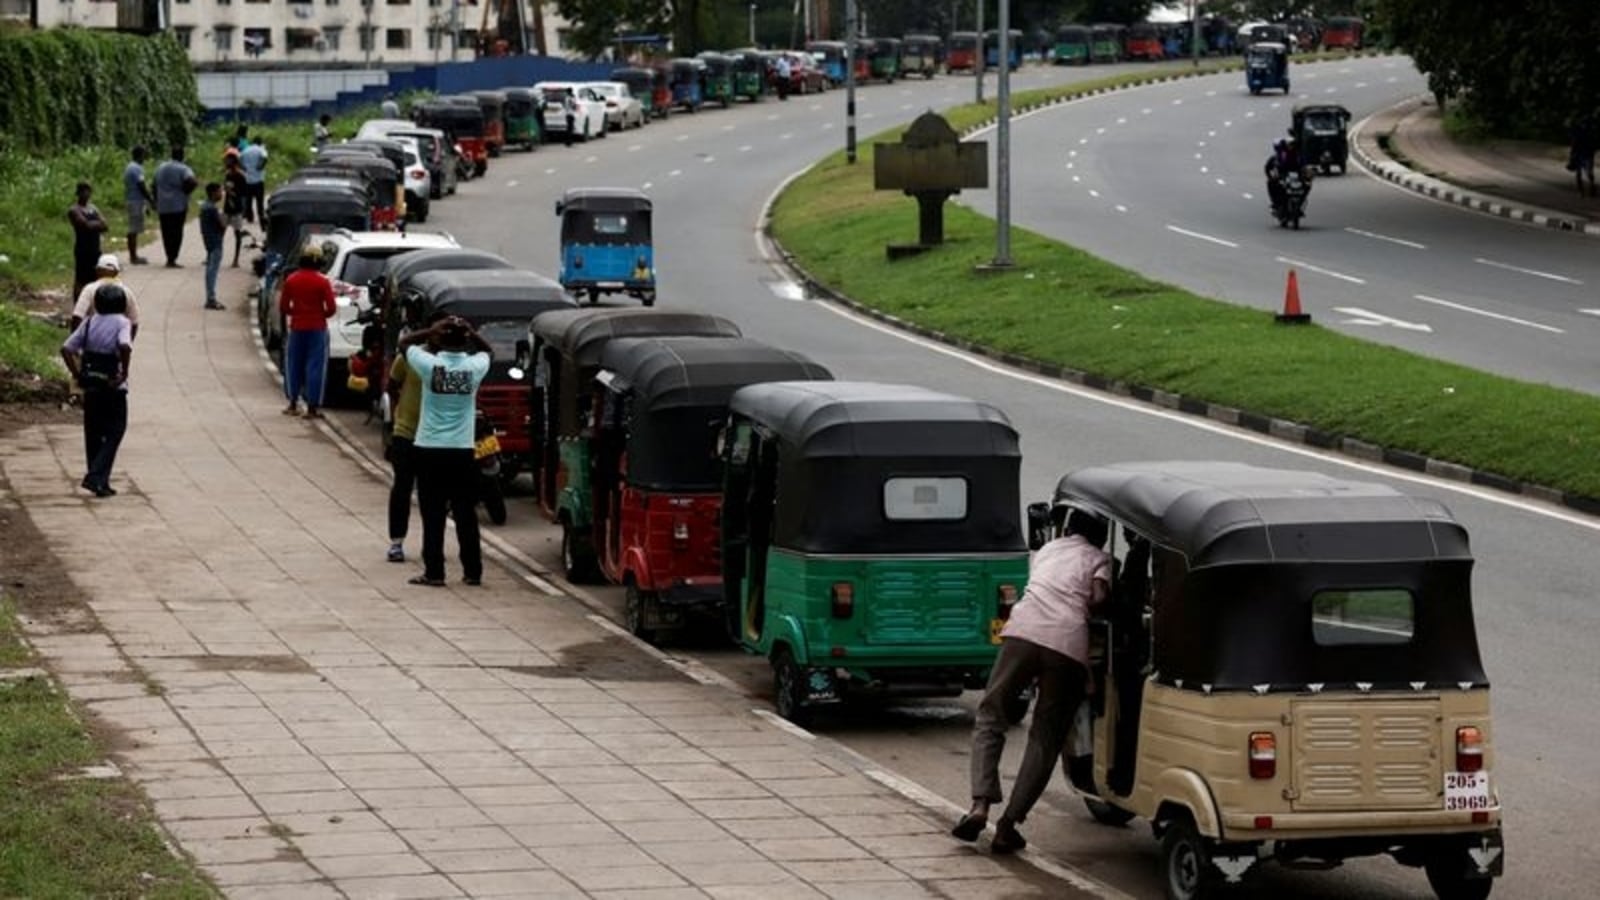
(461, 118)
(659, 405)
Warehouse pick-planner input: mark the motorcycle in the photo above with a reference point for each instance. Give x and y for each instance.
(486, 450)
(1295, 187)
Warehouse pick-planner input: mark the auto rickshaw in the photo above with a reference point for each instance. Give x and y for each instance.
(1072, 45)
(656, 482)
(500, 304)
(388, 189)
(493, 104)
(1266, 66)
(885, 59)
(564, 357)
(1322, 132)
(871, 537)
(297, 212)
(716, 82)
(831, 59)
(749, 75)
(687, 80)
(1286, 669)
(865, 47)
(919, 54)
(641, 83)
(522, 117)
(1142, 40)
(1105, 43)
(991, 49)
(606, 243)
(1342, 32)
(463, 124)
(963, 51)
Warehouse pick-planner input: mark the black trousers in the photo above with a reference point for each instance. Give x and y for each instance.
(172, 235)
(405, 481)
(255, 196)
(447, 483)
(105, 421)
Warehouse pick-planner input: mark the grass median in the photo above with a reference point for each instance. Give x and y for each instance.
(62, 835)
(1072, 309)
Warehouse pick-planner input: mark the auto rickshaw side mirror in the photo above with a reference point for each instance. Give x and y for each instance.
(524, 354)
(1038, 525)
(561, 207)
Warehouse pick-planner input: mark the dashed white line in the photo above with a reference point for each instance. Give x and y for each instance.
(1200, 143)
(1332, 90)
(1221, 182)
(773, 117)
(1072, 153)
(746, 148)
(1076, 179)
(1228, 124)
(1202, 237)
(709, 159)
(646, 186)
(1211, 93)
(1094, 193)
(1248, 196)
(727, 128)
(1146, 111)
(1321, 271)
(1071, 165)
(1121, 208)
(1178, 101)
(635, 148)
(512, 183)
(683, 137)
(1534, 272)
(1083, 140)
(1250, 115)
(815, 107)
(591, 159)
(1360, 84)
(827, 126)
(1384, 237)
(786, 135)
(674, 173)
(1122, 120)
(905, 106)
(1100, 130)
(1590, 312)
(549, 171)
(1199, 156)
(1205, 170)
(1487, 314)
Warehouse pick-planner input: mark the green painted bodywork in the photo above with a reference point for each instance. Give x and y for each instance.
(522, 129)
(909, 611)
(887, 67)
(719, 88)
(1072, 53)
(573, 503)
(1106, 50)
(747, 84)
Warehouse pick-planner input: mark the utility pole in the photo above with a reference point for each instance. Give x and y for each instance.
(752, 24)
(1194, 38)
(1002, 200)
(983, 48)
(850, 81)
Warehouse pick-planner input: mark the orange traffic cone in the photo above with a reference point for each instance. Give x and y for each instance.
(1292, 314)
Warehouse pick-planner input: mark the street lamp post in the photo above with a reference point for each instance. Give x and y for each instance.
(752, 24)
(850, 81)
(1002, 200)
(977, 63)
(1194, 37)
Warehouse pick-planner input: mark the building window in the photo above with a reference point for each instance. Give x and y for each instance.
(397, 39)
(299, 39)
(257, 40)
(223, 34)
(366, 37)
(434, 40)
(331, 36)
(563, 38)
(185, 36)
(467, 37)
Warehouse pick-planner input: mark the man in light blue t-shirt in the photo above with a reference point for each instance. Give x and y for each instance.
(442, 450)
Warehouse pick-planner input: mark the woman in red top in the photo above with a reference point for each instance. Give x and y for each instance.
(306, 303)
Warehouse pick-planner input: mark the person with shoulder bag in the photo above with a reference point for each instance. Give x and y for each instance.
(98, 354)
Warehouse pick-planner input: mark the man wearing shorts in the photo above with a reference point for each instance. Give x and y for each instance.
(136, 194)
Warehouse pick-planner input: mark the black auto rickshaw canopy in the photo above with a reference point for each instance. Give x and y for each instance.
(580, 334)
(500, 303)
(392, 150)
(1256, 571)
(677, 390)
(605, 216)
(639, 81)
(490, 101)
(1073, 34)
(685, 68)
(335, 176)
(1265, 54)
(454, 119)
(847, 450)
(886, 48)
(716, 63)
(1320, 119)
(521, 102)
(323, 207)
(385, 177)
(749, 61)
(401, 268)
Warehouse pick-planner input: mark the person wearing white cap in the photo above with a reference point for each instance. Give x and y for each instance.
(107, 270)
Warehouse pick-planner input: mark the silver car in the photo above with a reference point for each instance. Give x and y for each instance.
(623, 109)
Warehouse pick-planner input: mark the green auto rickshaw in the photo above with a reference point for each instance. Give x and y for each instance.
(749, 75)
(717, 78)
(522, 114)
(885, 59)
(871, 537)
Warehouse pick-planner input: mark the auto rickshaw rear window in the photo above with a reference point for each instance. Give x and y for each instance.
(610, 223)
(922, 499)
(503, 336)
(1368, 618)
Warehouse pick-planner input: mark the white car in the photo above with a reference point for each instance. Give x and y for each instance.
(623, 109)
(418, 180)
(589, 120)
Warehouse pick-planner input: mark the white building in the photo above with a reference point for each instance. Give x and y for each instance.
(311, 33)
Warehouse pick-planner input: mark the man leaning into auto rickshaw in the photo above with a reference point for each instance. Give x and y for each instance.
(1046, 639)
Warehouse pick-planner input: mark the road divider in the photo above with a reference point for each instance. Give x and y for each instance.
(1078, 318)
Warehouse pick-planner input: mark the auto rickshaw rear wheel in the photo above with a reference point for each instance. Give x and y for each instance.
(636, 610)
(577, 558)
(1106, 814)
(1447, 875)
(1186, 862)
(788, 687)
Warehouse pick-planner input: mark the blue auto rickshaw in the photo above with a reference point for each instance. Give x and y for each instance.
(687, 78)
(605, 243)
(830, 57)
(1266, 66)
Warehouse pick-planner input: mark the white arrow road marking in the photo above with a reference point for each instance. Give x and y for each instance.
(1366, 317)
(1383, 237)
(1202, 237)
(1534, 272)
(1487, 314)
(1321, 271)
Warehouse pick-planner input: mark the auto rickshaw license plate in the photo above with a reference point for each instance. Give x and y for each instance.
(489, 446)
(1466, 791)
(995, 627)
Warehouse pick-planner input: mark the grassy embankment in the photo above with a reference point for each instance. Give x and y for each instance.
(62, 835)
(1074, 310)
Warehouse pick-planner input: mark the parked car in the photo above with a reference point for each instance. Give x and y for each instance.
(418, 181)
(590, 119)
(438, 152)
(623, 109)
(805, 73)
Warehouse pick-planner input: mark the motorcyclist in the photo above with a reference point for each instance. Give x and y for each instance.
(1285, 158)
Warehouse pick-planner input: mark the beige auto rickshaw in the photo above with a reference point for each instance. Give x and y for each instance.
(1287, 670)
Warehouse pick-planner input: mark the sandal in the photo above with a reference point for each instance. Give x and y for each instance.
(425, 581)
(970, 828)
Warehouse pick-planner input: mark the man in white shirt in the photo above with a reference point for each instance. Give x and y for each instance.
(107, 270)
(781, 72)
(1046, 639)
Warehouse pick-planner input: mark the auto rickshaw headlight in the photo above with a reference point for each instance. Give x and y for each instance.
(842, 598)
(1469, 749)
(1263, 755)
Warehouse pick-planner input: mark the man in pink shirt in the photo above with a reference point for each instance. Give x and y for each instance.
(1046, 638)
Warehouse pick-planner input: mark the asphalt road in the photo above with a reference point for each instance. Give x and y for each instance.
(709, 175)
(1168, 180)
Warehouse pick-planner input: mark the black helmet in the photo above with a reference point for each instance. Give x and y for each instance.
(110, 299)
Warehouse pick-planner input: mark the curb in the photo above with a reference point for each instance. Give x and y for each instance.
(1280, 429)
(1380, 164)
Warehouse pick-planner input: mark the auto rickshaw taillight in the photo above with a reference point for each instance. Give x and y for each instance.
(1469, 749)
(1263, 755)
(680, 531)
(577, 261)
(1005, 597)
(843, 599)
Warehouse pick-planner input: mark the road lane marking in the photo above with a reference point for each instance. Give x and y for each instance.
(1094, 193)
(1146, 111)
(646, 186)
(1383, 237)
(1228, 124)
(1121, 208)
(683, 137)
(1076, 179)
(786, 135)
(635, 148)
(549, 171)
(1248, 196)
(591, 159)
(827, 126)
(1122, 120)
(1202, 237)
(786, 290)
(674, 173)
(512, 183)
(1367, 317)
(1487, 314)
(1221, 182)
(745, 148)
(1534, 272)
(1205, 170)
(905, 106)
(1321, 271)
(1590, 312)
(709, 159)
(772, 118)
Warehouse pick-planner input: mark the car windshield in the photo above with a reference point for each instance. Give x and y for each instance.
(604, 90)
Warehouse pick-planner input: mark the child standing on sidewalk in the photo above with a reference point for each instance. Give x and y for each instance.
(212, 228)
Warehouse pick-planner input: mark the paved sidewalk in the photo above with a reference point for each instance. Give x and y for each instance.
(1522, 180)
(308, 725)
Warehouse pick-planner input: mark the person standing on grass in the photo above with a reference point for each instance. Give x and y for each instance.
(321, 134)
(235, 192)
(212, 229)
(107, 271)
(307, 303)
(136, 194)
(175, 181)
(254, 160)
(447, 473)
(87, 226)
(401, 453)
(98, 353)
